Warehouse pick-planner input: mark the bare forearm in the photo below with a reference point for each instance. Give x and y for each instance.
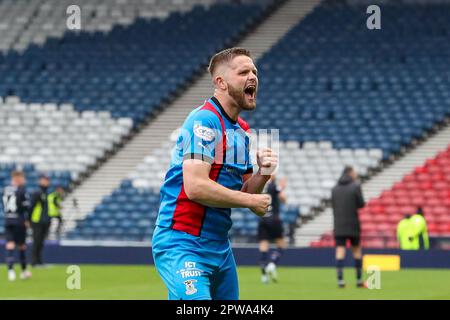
(256, 183)
(209, 193)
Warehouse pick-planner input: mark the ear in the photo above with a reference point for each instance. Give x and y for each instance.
(220, 83)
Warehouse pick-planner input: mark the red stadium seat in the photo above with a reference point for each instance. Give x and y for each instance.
(409, 179)
(392, 210)
(394, 218)
(388, 200)
(425, 185)
(420, 170)
(378, 209)
(315, 244)
(404, 201)
(392, 244)
(417, 201)
(378, 218)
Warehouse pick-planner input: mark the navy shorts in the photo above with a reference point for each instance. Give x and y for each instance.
(270, 229)
(16, 233)
(341, 241)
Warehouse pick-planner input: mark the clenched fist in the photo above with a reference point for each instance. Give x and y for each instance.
(267, 161)
(260, 203)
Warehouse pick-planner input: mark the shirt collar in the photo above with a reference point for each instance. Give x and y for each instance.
(217, 103)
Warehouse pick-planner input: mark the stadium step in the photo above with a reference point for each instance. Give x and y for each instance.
(373, 187)
(108, 177)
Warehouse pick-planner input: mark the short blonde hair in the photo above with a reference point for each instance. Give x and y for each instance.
(17, 173)
(225, 56)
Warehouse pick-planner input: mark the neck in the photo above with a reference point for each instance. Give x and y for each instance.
(228, 105)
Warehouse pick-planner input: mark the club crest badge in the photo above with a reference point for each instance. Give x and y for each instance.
(190, 287)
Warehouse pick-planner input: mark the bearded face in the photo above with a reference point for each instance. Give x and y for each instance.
(242, 82)
(245, 97)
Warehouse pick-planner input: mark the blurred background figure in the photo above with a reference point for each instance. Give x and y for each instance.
(270, 228)
(404, 234)
(412, 232)
(40, 219)
(420, 231)
(15, 207)
(346, 199)
(54, 208)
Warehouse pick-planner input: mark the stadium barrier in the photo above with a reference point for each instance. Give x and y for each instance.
(135, 253)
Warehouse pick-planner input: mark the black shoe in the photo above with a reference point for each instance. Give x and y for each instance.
(361, 284)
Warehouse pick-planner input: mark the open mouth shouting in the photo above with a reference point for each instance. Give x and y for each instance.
(250, 92)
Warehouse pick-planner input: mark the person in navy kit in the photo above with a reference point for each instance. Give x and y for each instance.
(15, 207)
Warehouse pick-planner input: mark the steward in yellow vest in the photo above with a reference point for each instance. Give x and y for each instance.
(420, 231)
(404, 233)
(54, 208)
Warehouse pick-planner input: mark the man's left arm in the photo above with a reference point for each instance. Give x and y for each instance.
(267, 162)
(360, 198)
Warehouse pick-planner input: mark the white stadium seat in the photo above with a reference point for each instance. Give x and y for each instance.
(56, 137)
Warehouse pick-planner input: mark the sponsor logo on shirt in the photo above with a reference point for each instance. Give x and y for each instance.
(204, 133)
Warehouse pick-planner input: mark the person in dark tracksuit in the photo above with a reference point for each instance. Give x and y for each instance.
(346, 199)
(15, 207)
(40, 219)
(270, 228)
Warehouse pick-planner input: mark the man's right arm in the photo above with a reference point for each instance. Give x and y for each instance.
(201, 189)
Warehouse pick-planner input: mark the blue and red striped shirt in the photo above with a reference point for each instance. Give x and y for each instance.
(208, 134)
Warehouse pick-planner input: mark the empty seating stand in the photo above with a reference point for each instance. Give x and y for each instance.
(56, 138)
(129, 70)
(332, 79)
(127, 214)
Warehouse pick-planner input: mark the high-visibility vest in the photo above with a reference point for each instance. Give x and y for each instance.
(54, 200)
(404, 233)
(36, 214)
(420, 232)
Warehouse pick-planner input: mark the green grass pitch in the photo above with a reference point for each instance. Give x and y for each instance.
(142, 282)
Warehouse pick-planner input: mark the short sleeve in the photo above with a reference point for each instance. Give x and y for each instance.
(200, 135)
